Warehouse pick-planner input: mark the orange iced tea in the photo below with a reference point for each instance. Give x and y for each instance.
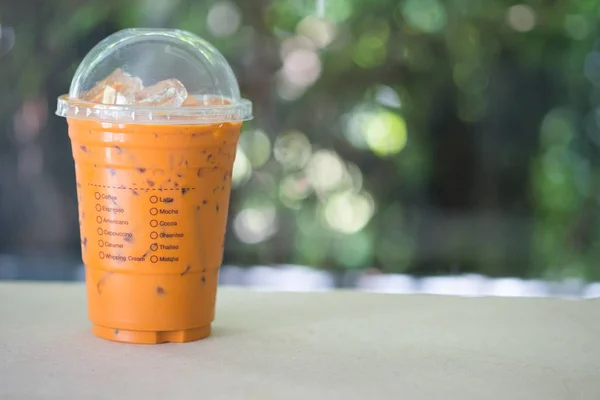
(153, 203)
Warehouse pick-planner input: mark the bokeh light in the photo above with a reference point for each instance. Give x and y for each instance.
(521, 17)
(353, 178)
(301, 67)
(371, 48)
(287, 90)
(224, 18)
(348, 212)
(325, 171)
(293, 189)
(428, 16)
(385, 133)
(255, 224)
(292, 150)
(577, 26)
(320, 31)
(7, 39)
(382, 131)
(557, 128)
(256, 146)
(293, 43)
(354, 125)
(387, 96)
(337, 10)
(370, 51)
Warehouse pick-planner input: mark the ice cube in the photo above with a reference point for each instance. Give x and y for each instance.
(109, 94)
(117, 88)
(95, 94)
(125, 99)
(167, 93)
(124, 82)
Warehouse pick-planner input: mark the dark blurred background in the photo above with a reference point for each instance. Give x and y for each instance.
(393, 140)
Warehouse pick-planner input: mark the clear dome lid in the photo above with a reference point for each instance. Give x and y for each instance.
(155, 76)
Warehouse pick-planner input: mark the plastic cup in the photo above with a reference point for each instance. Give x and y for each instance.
(153, 182)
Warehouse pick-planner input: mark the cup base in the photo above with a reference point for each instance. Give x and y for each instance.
(151, 337)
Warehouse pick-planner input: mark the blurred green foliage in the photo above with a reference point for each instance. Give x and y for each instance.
(413, 136)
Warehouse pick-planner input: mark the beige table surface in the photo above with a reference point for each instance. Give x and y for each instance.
(336, 345)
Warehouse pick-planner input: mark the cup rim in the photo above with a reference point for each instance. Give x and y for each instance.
(237, 111)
